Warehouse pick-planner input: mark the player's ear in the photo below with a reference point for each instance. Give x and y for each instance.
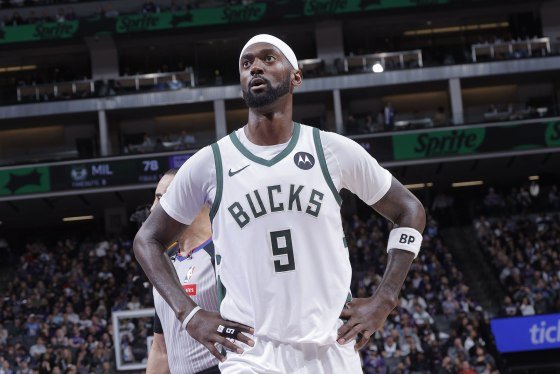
(297, 78)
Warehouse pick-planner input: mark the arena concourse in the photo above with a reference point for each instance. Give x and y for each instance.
(458, 99)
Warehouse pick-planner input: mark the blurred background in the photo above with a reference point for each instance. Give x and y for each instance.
(459, 99)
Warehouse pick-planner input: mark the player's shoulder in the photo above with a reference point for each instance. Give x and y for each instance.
(333, 139)
(203, 155)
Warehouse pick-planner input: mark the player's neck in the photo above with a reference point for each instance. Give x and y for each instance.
(270, 126)
(193, 241)
(196, 233)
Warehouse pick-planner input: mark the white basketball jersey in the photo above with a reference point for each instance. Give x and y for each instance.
(280, 249)
(196, 273)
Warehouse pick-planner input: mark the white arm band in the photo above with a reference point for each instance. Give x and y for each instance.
(189, 317)
(405, 238)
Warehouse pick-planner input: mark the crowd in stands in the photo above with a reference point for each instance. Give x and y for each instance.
(170, 142)
(386, 120)
(521, 242)
(104, 10)
(437, 328)
(524, 199)
(513, 112)
(56, 313)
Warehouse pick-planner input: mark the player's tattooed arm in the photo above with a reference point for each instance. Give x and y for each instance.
(367, 315)
(150, 243)
(156, 234)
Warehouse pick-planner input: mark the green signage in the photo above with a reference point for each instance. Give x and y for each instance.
(25, 180)
(38, 31)
(259, 11)
(317, 7)
(196, 17)
(437, 143)
(552, 134)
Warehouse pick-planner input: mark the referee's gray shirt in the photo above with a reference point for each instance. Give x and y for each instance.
(196, 273)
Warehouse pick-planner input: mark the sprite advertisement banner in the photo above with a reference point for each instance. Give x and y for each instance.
(317, 7)
(197, 17)
(38, 31)
(437, 143)
(25, 180)
(258, 11)
(458, 142)
(147, 169)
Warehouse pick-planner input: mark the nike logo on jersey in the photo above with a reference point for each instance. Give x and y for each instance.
(232, 173)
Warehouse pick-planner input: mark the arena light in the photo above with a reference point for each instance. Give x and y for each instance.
(10, 69)
(377, 68)
(77, 218)
(417, 186)
(534, 178)
(467, 184)
(450, 29)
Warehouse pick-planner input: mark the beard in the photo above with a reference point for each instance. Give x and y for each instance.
(268, 95)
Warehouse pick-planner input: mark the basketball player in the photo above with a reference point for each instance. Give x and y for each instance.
(173, 349)
(281, 255)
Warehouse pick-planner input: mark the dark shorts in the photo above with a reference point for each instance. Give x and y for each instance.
(212, 370)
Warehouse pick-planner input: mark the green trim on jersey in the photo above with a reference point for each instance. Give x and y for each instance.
(219, 180)
(219, 285)
(289, 148)
(323, 163)
(344, 242)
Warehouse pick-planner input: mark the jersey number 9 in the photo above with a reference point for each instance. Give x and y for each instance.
(281, 242)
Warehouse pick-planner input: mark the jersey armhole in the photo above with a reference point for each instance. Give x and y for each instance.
(323, 163)
(219, 180)
(158, 328)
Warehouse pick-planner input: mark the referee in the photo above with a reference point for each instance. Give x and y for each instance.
(173, 350)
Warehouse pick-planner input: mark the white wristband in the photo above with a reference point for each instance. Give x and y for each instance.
(189, 317)
(405, 238)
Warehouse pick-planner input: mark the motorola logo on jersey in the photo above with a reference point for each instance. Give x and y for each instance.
(304, 160)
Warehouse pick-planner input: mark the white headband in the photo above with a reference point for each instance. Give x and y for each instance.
(283, 47)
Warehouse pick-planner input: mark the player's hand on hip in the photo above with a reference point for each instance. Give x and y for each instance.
(364, 317)
(209, 328)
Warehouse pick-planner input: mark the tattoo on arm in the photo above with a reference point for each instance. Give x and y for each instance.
(150, 244)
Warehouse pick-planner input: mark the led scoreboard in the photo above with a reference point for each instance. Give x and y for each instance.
(109, 173)
(87, 174)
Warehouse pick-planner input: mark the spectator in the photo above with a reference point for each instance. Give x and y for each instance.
(149, 7)
(554, 198)
(32, 17)
(526, 307)
(352, 125)
(32, 325)
(60, 15)
(70, 14)
(110, 12)
(466, 368)
(493, 202)
(46, 17)
(440, 118)
(389, 117)
(482, 361)
(17, 20)
(390, 347)
(508, 309)
(38, 348)
(187, 140)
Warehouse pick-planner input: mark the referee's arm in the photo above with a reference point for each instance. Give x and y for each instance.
(157, 358)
